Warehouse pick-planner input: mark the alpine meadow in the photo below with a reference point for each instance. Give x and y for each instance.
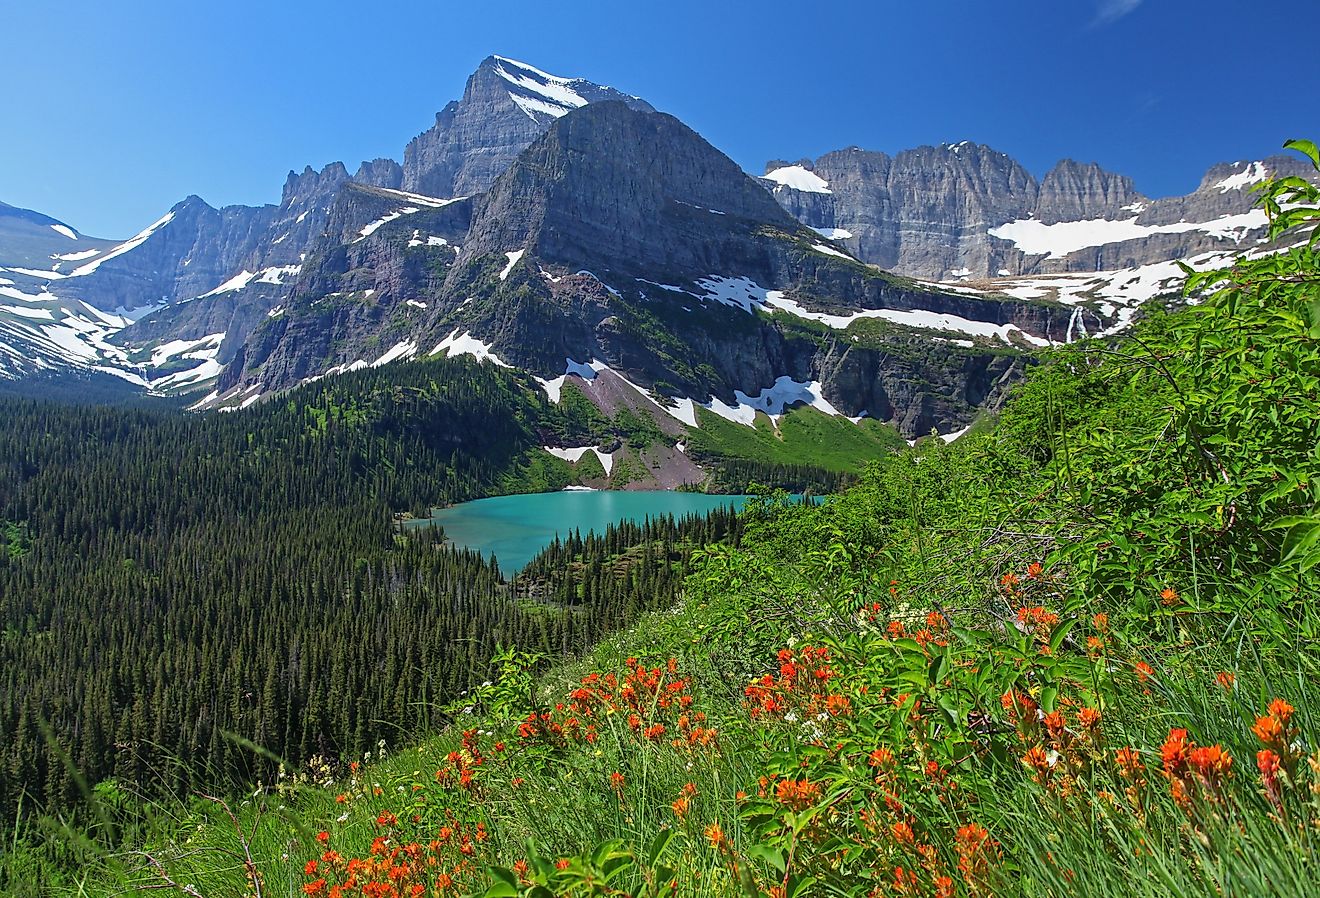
(1006, 580)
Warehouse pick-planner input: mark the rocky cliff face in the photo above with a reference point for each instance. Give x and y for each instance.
(189, 251)
(210, 271)
(505, 106)
(622, 242)
(569, 230)
(967, 211)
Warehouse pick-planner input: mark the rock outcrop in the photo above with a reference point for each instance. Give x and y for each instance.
(968, 211)
(505, 106)
(622, 239)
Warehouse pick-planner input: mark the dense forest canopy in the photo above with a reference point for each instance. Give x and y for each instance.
(169, 579)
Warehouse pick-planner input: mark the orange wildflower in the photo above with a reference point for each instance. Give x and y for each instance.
(1174, 753)
(1101, 622)
(1225, 680)
(797, 794)
(1212, 762)
(903, 833)
(1268, 730)
(1129, 762)
(561, 864)
(838, 704)
(1268, 763)
(972, 843)
(1169, 597)
(1089, 718)
(881, 757)
(1034, 570)
(715, 835)
(1038, 761)
(1281, 711)
(1144, 671)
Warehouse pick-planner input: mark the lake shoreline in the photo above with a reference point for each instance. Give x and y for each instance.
(514, 528)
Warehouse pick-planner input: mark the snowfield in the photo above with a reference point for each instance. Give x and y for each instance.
(798, 178)
(1059, 240)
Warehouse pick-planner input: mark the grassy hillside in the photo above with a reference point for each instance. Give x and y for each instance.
(1073, 656)
(802, 435)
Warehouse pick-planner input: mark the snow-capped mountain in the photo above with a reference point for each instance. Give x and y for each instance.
(623, 253)
(505, 106)
(569, 230)
(968, 211)
(206, 271)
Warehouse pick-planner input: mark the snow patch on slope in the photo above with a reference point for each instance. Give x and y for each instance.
(746, 294)
(831, 251)
(128, 245)
(75, 257)
(204, 348)
(549, 94)
(833, 233)
(237, 282)
(513, 258)
(1254, 173)
(372, 227)
(574, 455)
(1058, 240)
(466, 344)
(798, 178)
(404, 349)
(773, 400)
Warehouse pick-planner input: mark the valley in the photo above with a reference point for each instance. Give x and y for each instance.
(450, 527)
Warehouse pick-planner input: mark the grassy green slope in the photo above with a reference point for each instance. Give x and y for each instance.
(1071, 657)
(805, 436)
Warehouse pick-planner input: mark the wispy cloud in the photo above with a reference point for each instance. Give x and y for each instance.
(1111, 11)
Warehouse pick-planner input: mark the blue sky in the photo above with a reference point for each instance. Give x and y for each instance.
(112, 112)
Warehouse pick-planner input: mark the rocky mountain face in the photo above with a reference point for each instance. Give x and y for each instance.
(200, 271)
(32, 240)
(505, 106)
(968, 211)
(570, 231)
(620, 246)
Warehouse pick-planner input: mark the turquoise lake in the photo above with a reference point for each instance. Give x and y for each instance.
(515, 528)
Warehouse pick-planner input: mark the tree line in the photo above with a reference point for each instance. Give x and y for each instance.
(172, 585)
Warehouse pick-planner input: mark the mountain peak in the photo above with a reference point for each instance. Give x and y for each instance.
(505, 106)
(561, 197)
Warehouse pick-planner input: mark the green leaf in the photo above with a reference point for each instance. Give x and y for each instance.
(1061, 633)
(937, 667)
(771, 855)
(1306, 148)
(658, 846)
(1049, 696)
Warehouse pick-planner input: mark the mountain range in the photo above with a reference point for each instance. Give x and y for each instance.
(571, 231)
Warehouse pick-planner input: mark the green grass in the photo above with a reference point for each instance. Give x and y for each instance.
(1069, 657)
(805, 436)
